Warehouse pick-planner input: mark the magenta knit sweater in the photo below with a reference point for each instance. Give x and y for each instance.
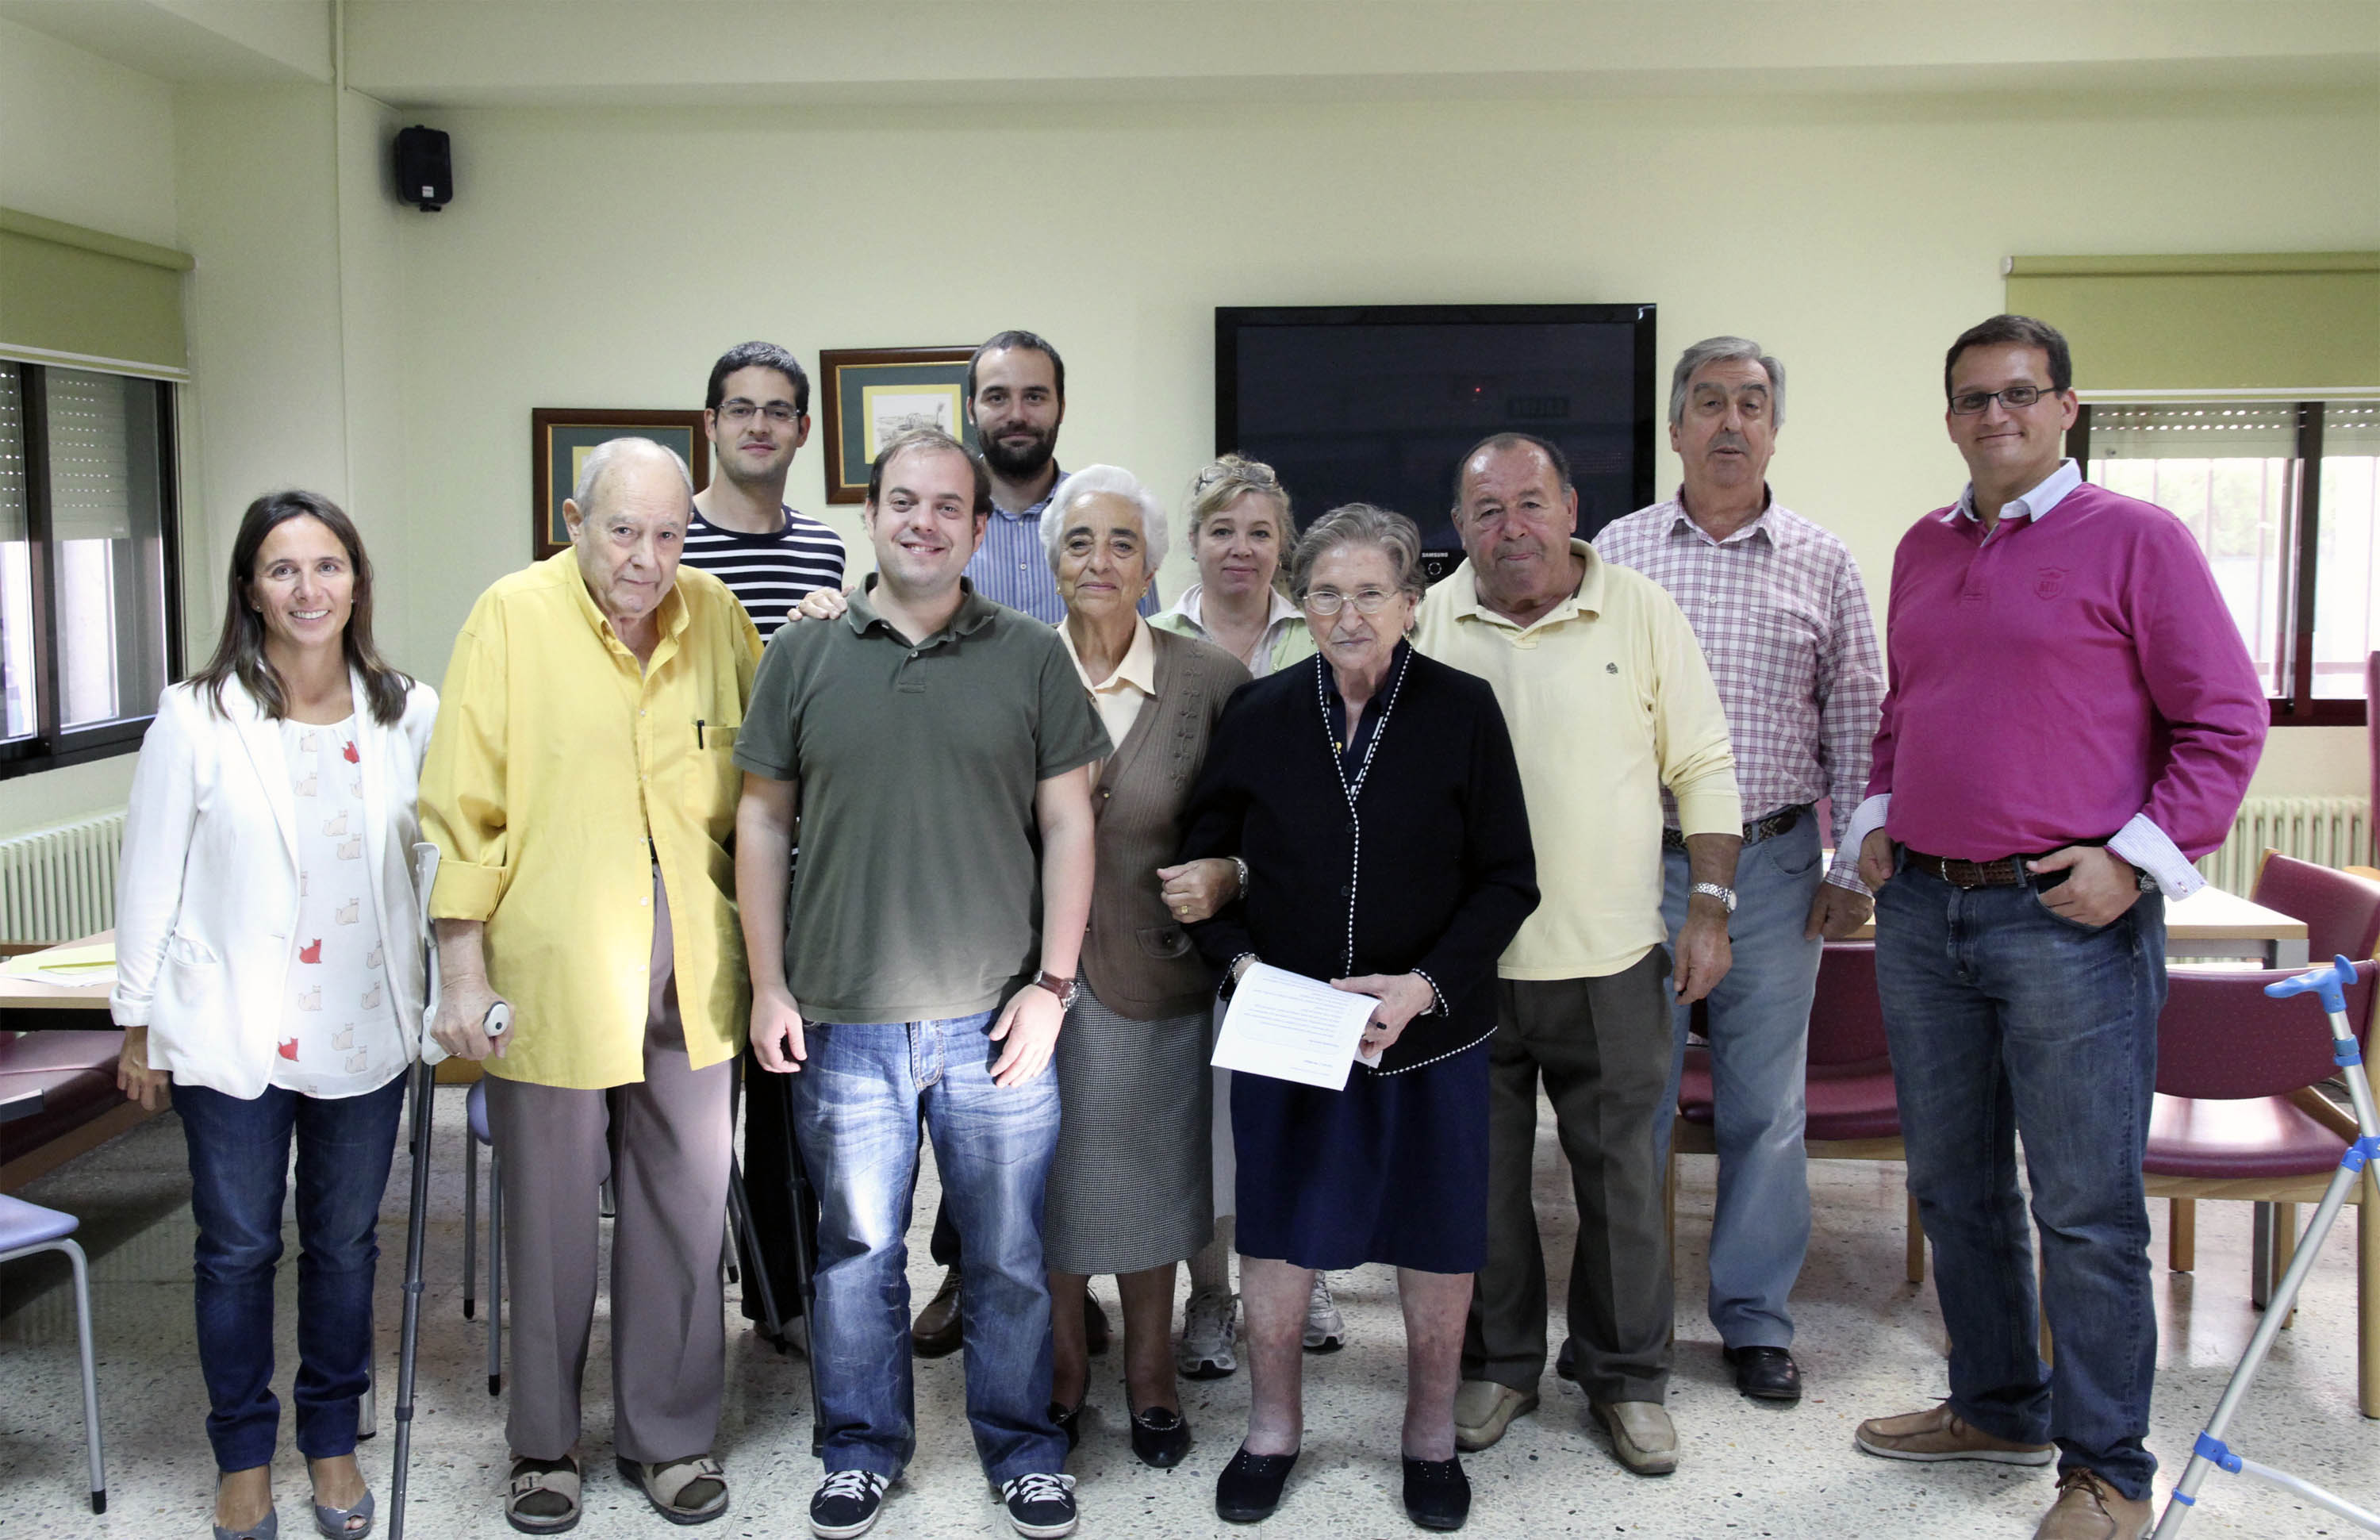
(2046, 685)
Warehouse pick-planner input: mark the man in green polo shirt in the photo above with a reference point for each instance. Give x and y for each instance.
(938, 783)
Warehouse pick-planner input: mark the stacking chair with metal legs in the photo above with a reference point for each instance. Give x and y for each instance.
(26, 1229)
(476, 1113)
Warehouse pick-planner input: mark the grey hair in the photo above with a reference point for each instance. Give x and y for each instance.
(1359, 523)
(1104, 481)
(600, 461)
(1713, 350)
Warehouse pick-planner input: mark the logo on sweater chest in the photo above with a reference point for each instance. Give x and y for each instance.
(2049, 582)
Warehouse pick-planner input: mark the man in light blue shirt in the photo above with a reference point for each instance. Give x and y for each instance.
(1016, 399)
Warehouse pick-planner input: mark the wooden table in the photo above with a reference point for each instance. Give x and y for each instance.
(2212, 923)
(33, 1004)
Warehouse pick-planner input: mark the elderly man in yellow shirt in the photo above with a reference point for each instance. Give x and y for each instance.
(1610, 701)
(582, 789)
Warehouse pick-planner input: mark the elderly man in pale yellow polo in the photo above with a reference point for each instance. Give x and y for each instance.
(582, 791)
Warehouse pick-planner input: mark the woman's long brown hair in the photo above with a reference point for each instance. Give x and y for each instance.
(240, 652)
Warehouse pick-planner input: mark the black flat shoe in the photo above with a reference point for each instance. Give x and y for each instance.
(1437, 1495)
(1069, 1419)
(1765, 1374)
(1159, 1436)
(1249, 1489)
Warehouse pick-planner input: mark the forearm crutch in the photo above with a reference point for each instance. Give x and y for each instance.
(2211, 1452)
(425, 1086)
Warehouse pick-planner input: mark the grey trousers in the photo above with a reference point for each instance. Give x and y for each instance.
(668, 1341)
(1602, 1045)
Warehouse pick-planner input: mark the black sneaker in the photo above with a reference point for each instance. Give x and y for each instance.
(846, 1504)
(1042, 1507)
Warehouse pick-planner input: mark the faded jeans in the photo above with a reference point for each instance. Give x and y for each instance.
(857, 1101)
(2008, 1021)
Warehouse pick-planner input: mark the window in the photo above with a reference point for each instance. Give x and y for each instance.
(90, 619)
(2284, 499)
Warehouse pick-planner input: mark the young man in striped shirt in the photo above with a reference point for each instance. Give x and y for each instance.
(756, 413)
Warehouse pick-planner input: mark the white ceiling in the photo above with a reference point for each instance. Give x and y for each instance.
(498, 52)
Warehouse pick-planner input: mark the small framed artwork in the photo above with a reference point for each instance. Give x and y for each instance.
(872, 395)
(562, 437)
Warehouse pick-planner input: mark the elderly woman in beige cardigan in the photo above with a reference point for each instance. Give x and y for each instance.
(1130, 1187)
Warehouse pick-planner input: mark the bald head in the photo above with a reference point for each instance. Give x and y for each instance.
(627, 519)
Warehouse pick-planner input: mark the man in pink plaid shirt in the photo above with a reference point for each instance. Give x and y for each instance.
(1777, 603)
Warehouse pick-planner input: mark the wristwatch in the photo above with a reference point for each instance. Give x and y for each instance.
(1062, 988)
(1725, 895)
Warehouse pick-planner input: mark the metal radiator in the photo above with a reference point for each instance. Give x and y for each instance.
(2328, 831)
(59, 883)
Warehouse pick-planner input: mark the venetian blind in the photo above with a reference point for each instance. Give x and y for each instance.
(68, 295)
(2307, 322)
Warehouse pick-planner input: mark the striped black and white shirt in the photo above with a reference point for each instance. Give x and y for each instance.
(768, 573)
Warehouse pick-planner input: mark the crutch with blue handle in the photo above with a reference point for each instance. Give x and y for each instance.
(2211, 1452)
(425, 1083)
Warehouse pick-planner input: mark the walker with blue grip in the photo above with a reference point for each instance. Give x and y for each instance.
(2211, 1452)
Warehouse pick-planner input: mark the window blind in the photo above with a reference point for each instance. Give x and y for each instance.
(2303, 322)
(91, 456)
(2195, 430)
(68, 295)
(15, 520)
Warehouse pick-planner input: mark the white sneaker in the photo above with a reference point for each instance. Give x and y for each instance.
(1325, 1332)
(1208, 1324)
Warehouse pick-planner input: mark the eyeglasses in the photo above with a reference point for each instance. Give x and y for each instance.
(739, 412)
(2015, 398)
(1368, 602)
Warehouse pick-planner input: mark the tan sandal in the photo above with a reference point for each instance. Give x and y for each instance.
(690, 1491)
(544, 1495)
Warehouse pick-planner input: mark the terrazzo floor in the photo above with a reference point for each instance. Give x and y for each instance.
(1869, 1344)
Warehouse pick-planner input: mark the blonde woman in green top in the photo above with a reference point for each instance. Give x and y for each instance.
(1240, 531)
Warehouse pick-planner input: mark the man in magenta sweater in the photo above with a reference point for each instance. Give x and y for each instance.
(2070, 717)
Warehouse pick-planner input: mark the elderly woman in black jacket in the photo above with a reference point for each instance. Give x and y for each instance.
(1373, 796)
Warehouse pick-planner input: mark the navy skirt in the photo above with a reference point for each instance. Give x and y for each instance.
(1393, 1168)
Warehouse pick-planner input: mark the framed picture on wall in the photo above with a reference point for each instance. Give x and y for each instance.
(871, 396)
(562, 437)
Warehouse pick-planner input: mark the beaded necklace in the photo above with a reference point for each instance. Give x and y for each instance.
(1353, 789)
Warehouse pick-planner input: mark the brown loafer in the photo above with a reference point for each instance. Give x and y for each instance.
(936, 1331)
(2088, 1509)
(1938, 1433)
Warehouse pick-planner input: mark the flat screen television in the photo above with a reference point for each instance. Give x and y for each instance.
(1376, 403)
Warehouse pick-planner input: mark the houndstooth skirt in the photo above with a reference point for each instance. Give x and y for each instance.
(1131, 1184)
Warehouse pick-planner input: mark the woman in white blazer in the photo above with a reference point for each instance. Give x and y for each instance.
(269, 963)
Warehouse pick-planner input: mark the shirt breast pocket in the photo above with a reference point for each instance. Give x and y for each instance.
(711, 779)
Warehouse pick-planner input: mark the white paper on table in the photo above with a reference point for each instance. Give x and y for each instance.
(1292, 1027)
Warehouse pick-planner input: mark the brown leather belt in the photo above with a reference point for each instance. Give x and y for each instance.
(1779, 822)
(2002, 873)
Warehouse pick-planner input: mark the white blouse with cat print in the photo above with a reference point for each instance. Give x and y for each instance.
(339, 1034)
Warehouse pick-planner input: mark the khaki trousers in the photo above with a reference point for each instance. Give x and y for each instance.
(1602, 1045)
(668, 1341)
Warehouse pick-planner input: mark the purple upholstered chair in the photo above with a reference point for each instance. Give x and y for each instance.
(26, 1229)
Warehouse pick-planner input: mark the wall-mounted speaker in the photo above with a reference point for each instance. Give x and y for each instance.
(425, 168)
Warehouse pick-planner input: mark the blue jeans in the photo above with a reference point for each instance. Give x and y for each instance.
(2006, 1021)
(239, 1168)
(1759, 1027)
(857, 1106)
